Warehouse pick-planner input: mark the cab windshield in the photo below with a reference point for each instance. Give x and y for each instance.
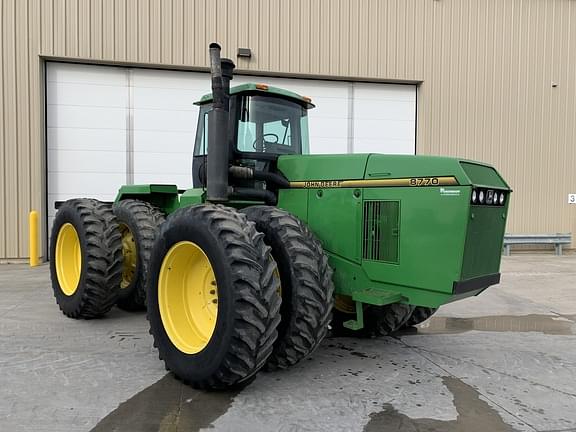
(271, 125)
(265, 125)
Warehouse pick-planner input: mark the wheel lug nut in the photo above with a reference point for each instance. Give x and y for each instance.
(214, 301)
(212, 291)
(213, 282)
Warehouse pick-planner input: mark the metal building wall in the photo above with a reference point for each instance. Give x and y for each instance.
(486, 67)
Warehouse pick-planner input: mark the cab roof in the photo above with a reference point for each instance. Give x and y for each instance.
(264, 89)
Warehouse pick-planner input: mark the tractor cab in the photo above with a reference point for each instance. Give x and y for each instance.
(264, 123)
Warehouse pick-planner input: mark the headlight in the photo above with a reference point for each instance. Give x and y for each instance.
(474, 196)
(501, 198)
(495, 198)
(481, 197)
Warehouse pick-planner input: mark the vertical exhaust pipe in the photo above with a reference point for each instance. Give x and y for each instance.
(227, 66)
(221, 71)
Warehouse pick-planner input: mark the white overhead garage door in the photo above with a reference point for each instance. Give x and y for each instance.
(108, 126)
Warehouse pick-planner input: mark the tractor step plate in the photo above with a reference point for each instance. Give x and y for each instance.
(377, 297)
(373, 297)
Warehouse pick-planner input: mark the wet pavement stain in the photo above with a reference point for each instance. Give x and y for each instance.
(167, 406)
(547, 324)
(474, 415)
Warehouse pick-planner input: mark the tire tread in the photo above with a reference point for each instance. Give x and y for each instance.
(147, 220)
(257, 304)
(312, 301)
(103, 255)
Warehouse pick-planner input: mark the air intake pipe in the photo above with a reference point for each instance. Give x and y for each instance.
(221, 71)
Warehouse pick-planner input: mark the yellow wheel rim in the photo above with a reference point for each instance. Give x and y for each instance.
(188, 297)
(130, 256)
(68, 259)
(344, 303)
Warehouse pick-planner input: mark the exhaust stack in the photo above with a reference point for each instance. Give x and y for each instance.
(221, 71)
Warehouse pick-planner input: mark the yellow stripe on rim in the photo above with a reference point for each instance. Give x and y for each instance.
(188, 297)
(68, 259)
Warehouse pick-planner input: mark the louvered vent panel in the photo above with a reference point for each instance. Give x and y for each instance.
(381, 233)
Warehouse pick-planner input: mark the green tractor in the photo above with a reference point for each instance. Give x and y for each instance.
(273, 247)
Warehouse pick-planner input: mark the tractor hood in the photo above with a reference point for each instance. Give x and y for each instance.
(323, 167)
(325, 171)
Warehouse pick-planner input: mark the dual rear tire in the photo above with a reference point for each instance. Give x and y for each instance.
(100, 254)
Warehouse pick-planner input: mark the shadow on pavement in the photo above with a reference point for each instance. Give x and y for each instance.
(167, 406)
(474, 415)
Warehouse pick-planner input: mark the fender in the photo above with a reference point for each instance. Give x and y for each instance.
(164, 196)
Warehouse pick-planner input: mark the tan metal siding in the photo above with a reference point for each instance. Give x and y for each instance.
(11, 203)
(3, 174)
(486, 67)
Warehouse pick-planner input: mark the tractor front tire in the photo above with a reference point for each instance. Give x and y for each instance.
(420, 314)
(384, 320)
(378, 320)
(139, 224)
(306, 284)
(213, 302)
(85, 258)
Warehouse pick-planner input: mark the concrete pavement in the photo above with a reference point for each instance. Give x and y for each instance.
(503, 361)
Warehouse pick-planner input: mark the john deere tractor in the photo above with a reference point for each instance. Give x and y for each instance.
(274, 246)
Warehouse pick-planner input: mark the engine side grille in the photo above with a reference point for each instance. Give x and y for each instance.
(381, 231)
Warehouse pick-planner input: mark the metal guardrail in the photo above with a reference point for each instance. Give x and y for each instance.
(558, 240)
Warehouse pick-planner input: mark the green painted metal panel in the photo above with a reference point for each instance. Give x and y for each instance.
(433, 231)
(483, 175)
(405, 166)
(164, 197)
(484, 241)
(294, 201)
(350, 277)
(432, 228)
(412, 240)
(147, 189)
(335, 215)
(192, 197)
(377, 297)
(323, 167)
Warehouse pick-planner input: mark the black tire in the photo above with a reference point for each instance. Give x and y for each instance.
(306, 281)
(378, 320)
(101, 258)
(248, 299)
(420, 314)
(139, 222)
(385, 320)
